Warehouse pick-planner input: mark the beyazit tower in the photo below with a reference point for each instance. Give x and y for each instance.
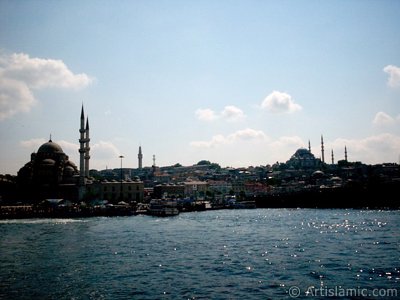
(84, 154)
(140, 158)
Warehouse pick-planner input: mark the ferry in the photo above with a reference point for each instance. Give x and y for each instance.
(163, 208)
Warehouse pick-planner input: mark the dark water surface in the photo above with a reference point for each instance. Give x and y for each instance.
(226, 254)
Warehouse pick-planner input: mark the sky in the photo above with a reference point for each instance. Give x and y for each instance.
(239, 83)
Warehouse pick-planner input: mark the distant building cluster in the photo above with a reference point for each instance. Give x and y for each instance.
(51, 175)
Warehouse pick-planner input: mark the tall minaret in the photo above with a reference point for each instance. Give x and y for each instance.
(140, 158)
(333, 159)
(322, 149)
(87, 148)
(309, 146)
(345, 153)
(82, 149)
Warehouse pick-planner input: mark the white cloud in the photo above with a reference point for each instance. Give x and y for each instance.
(105, 150)
(21, 74)
(33, 144)
(247, 147)
(102, 153)
(234, 150)
(15, 96)
(215, 141)
(291, 142)
(232, 113)
(382, 119)
(371, 150)
(247, 134)
(394, 75)
(278, 102)
(206, 115)
(229, 113)
(68, 147)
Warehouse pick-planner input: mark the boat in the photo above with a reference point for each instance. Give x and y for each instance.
(141, 208)
(163, 208)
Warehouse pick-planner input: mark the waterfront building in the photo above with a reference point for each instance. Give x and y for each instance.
(114, 191)
(169, 191)
(49, 174)
(220, 187)
(196, 189)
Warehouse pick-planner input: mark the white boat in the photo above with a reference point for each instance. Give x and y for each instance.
(163, 208)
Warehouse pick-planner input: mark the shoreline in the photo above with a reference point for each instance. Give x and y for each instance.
(381, 197)
(128, 213)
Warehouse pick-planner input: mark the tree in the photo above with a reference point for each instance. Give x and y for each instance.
(204, 163)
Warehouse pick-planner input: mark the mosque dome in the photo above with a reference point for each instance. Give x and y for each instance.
(50, 147)
(48, 162)
(303, 158)
(70, 164)
(69, 172)
(303, 153)
(318, 174)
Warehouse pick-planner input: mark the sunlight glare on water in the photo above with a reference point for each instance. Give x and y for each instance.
(226, 254)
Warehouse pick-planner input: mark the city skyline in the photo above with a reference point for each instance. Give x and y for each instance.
(238, 84)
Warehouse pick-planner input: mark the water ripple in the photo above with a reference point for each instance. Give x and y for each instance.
(230, 254)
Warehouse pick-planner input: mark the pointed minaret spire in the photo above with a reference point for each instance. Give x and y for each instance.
(87, 148)
(345, 153)
(322, 149)
(140, 158)
(309, 146)
(154, 160)
(82, 119)
(333, 159)
(82, 149)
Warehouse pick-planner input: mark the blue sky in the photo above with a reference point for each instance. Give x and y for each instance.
(239, 83)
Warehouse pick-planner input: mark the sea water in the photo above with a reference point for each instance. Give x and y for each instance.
(224, 254)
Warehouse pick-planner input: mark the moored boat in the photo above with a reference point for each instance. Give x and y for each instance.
(163, 208)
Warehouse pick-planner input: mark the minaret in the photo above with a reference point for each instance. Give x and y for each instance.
(309, 146)
(154, 164)
(87, 148)
(140, 158)
(333, 159)
(82, 149)
(345, 153)
(322, 149)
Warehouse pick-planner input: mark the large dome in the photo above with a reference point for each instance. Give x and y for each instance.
(303, 158)
(303, 153)
(50, 147)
